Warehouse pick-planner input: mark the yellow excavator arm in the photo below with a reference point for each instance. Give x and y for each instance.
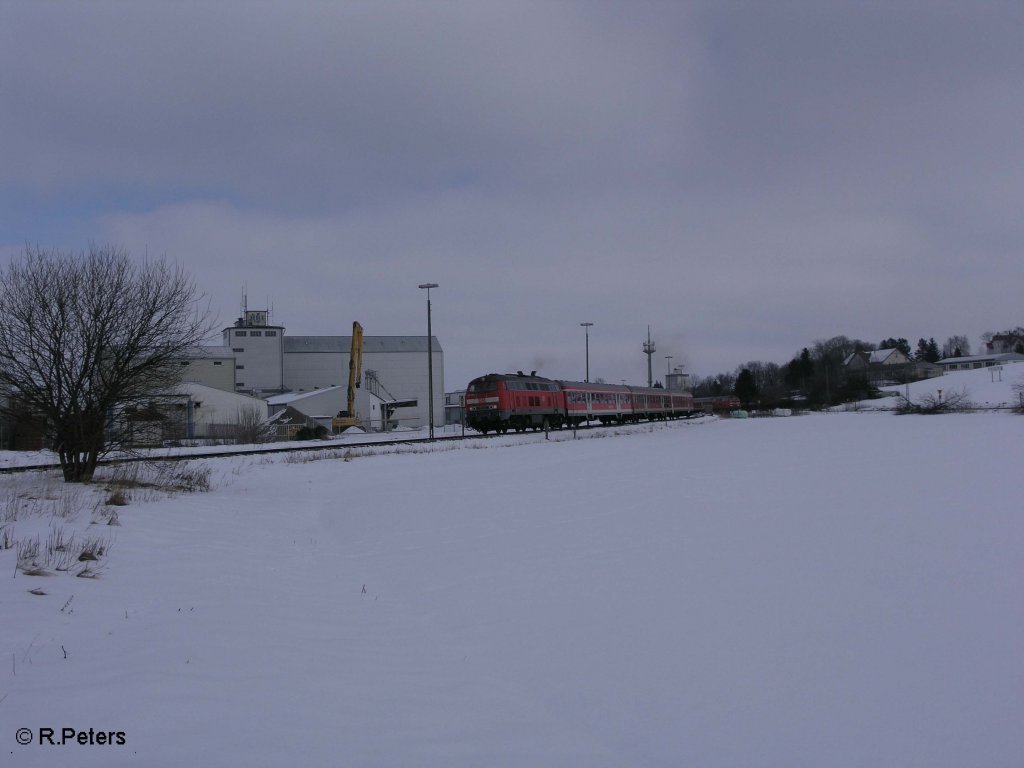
(348, 418)
(355, 366)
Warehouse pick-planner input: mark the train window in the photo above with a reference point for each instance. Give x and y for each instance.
(484, 386)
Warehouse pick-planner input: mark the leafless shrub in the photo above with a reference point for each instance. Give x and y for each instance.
(89, 571)
(252, 426)
(93, 549)
(118, 498)
(940, 402)
(67, 505)
(9, 506)
(60, 551)
(27, 557)
(1018, 387)
(304, 457)
(153, 479)
(192, 479)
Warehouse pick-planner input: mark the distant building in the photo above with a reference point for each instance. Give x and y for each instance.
(212, 366)
(258, 358)
(193, 412)
(1005, 342)
(322, 405)
(677, 381)
(887, 365)
(979, 361)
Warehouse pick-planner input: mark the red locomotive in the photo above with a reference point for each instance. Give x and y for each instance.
(519, 401)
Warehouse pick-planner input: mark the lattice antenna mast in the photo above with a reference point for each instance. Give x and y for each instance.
(649, 351)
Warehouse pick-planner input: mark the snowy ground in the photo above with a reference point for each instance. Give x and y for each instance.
(829, 590)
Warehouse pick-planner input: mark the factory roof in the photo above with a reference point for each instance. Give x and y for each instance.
(371, 344)
(290, 397)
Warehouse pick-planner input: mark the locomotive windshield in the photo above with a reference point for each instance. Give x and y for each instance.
(483, 386)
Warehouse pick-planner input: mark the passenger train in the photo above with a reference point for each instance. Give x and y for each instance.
(500, 402)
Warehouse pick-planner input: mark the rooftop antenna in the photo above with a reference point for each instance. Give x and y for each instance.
(649, 351)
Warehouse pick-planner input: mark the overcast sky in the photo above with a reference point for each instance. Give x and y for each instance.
(743, 177)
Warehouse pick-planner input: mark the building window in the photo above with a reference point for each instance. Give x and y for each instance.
(184, 362)
(271, 333)
(256, 333)
(238, 349)
(239, 367)
(216, 362)
(240, 333)
(240, 384)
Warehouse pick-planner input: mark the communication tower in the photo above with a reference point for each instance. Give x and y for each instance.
(649, 351)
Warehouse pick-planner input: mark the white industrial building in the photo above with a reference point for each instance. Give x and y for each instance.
(322, 405)
(213, 412)
(260, 359)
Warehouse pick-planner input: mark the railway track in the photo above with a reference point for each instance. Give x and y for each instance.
(304, 448)
(244, 452)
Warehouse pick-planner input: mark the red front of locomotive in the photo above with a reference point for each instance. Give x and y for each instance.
(487, 403)
(518, 401)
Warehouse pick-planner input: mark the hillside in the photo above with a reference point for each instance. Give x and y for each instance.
(986, 387)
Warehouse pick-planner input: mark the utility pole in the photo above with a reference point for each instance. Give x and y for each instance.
(586, 330)
(430, 361)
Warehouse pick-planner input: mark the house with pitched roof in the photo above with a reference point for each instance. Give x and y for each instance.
(887, 365)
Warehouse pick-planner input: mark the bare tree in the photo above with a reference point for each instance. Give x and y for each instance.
(956, 346)
(951, 402)
(85, 337)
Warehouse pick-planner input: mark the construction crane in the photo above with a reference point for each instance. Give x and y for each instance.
(348, 418)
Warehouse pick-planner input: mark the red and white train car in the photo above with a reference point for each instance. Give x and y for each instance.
(500, 402)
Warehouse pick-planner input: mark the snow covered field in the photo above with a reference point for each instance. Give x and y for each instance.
(829, 590)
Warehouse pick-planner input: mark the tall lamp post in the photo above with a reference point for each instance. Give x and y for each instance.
(586, 330)
(430, 361)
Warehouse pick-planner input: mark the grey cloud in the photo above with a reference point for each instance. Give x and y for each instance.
(745, 177)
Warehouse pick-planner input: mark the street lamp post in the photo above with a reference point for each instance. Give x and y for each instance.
(430, 361)
(586, 330)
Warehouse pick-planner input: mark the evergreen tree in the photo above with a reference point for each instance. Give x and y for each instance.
(800, 371)
(922, 350)
(901, 344)
(746, 387)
